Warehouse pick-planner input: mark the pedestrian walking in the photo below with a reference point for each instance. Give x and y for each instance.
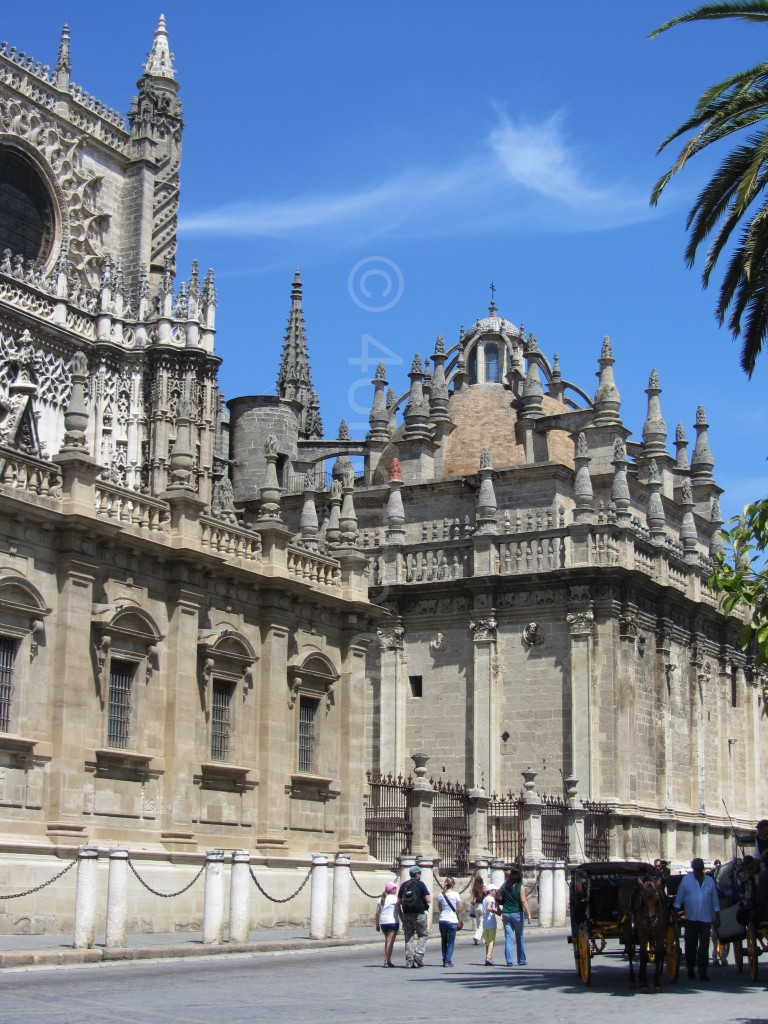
(387, 921)
(490, 912)
(477, 895)
(449, 902)
(412, 904)
(514, 912)
(697, 897)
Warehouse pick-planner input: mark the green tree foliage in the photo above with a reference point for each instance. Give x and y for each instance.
(735, 196)
(741, 577)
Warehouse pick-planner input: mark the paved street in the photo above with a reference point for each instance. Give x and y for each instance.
(351, 987)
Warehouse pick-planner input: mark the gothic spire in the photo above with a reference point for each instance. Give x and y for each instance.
(63, 62)
(159, 62)
(294, 380)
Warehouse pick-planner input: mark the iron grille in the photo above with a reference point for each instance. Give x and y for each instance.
(597, 822)
(554, 828)
(121, 675)
(7, 658)
(388, 822)
(450, 827)
(506, 828)
(307, 712)
(221, 719)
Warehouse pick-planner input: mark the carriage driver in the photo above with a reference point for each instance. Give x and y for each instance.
(761, 839)
(697, 897)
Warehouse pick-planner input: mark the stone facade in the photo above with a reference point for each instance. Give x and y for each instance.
(204, 643)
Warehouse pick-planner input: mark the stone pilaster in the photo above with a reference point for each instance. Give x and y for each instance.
(581, 625)
(393, 684)
(484, 764)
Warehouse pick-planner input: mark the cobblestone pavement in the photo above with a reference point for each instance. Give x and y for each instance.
(337, 986)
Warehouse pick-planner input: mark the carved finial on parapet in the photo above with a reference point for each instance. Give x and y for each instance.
(270, 489)
(533, 393)
(348, 516)
(396, 471)
(688, 534)
(309, 523)
(702, 462)
(182, 460)
(607, 398)
(379, 415)
(63, 62)
(620, 489)
(716, 519)
(486, 499)
(656, 517)
(76, 414)
(654, 428)
(584, 512)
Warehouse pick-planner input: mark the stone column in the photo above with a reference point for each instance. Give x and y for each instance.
(341, 885)
(318, 899)
(422, 797)
(428, 878)
(576, 847)
(406, 863)
(240, 897)
(213, 908)
(393, 697)
(532, 818)
(581, 625)
(478, 824)
(559, 891)
(546, 893)
(497, 873)
(482, 868)
(484, 702)
(276, 742)
(117, 899)
(86, 893)
(669, 838)
(350, 695)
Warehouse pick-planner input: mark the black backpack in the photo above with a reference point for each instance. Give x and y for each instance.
(411, 898)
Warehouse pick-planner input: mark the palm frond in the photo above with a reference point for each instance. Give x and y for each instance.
(747, 10)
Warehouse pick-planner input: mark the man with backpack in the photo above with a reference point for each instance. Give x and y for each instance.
(412, 906)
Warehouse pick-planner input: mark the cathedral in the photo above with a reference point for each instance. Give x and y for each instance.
(216, 621)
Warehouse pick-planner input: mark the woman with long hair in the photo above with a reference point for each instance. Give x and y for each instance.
(477, 895)
(514, 907)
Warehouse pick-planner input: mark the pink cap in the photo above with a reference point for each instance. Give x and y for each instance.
(390, 887)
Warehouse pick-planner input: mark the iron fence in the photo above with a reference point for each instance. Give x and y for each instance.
(554, 828)
(506, 828)
(597, 822)
(388, 816)
(450, 827)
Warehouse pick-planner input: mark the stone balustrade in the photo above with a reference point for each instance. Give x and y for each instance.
(26, 473)
(224, 539)
(129, 508)
(313, 568)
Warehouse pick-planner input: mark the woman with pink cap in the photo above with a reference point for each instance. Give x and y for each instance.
(386, 920)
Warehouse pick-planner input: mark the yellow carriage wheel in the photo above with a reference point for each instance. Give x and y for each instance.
(672, 951)
(584, 955)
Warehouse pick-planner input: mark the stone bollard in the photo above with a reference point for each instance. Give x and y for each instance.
(117, 899)
(85, 897)
(482, 869)
(318, 899)
(558, 895)
(428, 878)
(497, 874)
(406, 863)
(546, 893)
(342, 873)
(239, 897)
(213, 908)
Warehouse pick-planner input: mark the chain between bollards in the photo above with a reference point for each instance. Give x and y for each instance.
(43, 885)
(164, 895)
(273, 899)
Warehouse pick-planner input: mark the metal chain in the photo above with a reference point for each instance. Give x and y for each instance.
(164, 895)
(37, 888)
(371, 896)
(470, 880)
(273, 899)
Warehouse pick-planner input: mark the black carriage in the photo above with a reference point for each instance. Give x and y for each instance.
(596, 916)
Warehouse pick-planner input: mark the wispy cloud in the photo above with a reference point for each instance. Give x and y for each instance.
(522, 174)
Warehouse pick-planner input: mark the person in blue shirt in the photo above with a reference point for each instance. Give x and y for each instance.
(697, 898)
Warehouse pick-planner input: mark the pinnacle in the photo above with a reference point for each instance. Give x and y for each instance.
(160, 59)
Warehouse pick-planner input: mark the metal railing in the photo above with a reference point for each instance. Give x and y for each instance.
(506, 828)
(450, 827)
(597, 820)
(554, 828)
(388, 821)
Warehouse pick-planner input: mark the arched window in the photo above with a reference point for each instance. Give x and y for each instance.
(472, 367)
(26, 210)
(491, 364)
(22, 612)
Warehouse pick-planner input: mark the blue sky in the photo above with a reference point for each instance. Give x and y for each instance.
(405, 155)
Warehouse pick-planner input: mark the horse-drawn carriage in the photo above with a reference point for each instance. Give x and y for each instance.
(626, 900)
(743, 911)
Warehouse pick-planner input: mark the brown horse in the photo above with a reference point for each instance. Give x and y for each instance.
(643, 910)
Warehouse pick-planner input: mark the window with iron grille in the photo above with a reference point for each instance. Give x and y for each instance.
(307, 713)
(121, 674)
(221, 719)
(7, 658)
